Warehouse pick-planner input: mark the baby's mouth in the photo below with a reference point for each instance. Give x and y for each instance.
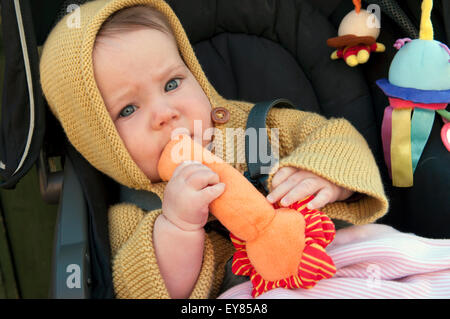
(195, 137)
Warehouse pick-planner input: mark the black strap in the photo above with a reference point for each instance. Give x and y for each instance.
(21, 134)
(257, 120)
(145, 200)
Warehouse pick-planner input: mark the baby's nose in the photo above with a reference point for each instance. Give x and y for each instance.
(164, 117)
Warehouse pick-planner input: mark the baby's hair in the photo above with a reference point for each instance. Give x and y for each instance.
(134, 18)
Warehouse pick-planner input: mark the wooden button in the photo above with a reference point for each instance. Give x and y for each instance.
(220, 115)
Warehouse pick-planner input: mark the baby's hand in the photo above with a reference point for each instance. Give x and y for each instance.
(188, 194)
(291, 184)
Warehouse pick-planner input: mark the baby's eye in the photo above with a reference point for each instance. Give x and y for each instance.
(172, 84)
(127, 110)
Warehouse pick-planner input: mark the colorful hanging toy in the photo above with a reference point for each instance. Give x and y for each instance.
(275, 246)
(357, 37)
(419, 83)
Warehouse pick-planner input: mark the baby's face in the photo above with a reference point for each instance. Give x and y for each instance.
(149, 92)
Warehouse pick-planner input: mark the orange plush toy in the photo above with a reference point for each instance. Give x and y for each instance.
(276, 246)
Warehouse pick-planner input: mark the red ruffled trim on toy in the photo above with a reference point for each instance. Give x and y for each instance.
(315, 264)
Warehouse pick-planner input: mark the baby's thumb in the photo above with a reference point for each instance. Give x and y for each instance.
(215, 191)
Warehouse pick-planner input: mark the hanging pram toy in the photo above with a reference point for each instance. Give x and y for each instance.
(357, 37)
(418, 84)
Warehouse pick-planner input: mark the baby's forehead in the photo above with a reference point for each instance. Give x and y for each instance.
(129, 62)
(138, 39)
(135, 18)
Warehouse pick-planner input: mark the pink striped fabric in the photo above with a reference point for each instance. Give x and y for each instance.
(374, 261)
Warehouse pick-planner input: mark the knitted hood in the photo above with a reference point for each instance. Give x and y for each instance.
(75, 99)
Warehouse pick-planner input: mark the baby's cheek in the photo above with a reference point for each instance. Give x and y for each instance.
(200, 101)
(142, 153)
(149, 166)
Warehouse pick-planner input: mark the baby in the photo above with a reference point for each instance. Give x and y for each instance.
(149, 83)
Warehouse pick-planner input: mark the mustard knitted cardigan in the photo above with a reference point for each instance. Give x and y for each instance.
(331, 148)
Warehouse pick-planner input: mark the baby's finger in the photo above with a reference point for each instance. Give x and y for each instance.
(202, 178)
(210, 193)
(323, 197)
(303, 189)
(284, 188)
(282, 174)
(185, 168)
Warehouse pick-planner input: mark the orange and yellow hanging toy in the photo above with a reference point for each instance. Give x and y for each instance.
(357, 37)
(275, 247)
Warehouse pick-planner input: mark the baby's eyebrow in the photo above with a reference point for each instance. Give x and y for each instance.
(169, 69)
(114, 102)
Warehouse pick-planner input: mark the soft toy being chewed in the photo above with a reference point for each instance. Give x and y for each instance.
(357, 37)
(276, 246)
